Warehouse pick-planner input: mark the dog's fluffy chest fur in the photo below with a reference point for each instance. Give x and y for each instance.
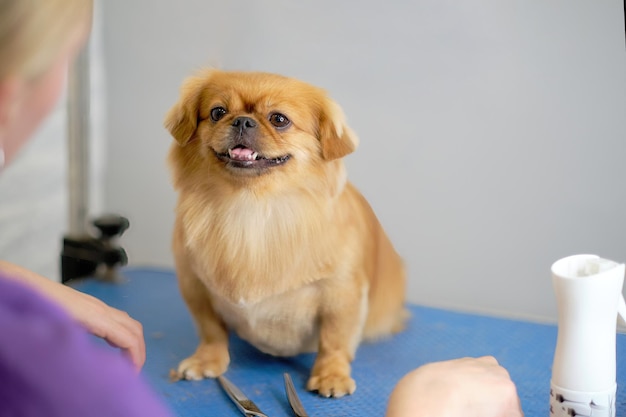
(262, 262)
(247, 249)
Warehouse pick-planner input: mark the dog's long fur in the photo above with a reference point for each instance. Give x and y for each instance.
(291, 256)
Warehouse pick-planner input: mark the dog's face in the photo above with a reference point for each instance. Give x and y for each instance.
(256, 124)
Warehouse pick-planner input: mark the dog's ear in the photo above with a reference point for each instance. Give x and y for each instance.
(182, 119)
(336, 138)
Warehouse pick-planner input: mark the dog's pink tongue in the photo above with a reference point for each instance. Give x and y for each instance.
(241, 153)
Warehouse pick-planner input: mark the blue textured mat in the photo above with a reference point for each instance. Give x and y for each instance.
(152, 297)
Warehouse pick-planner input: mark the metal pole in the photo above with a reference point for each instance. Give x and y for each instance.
(78, 110)
(84, 255)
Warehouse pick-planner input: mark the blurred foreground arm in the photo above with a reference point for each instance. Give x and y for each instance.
(111, 324)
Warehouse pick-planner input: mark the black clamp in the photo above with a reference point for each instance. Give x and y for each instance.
(89, 256)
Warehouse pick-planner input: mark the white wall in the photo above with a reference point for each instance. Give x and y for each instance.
(33, 200)
(493, 133)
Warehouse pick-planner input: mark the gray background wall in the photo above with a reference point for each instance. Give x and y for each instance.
(493, 133)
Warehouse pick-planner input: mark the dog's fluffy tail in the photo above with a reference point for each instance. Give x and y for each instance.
(390, 325)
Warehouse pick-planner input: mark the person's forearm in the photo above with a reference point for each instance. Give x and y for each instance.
(47, 287)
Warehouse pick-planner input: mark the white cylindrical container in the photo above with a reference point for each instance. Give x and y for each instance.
(588, 292)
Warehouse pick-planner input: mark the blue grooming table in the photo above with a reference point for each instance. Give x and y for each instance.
(151, 296)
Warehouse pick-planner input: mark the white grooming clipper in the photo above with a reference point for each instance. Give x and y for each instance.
(589, 298)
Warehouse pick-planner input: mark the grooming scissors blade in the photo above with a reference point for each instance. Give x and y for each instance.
(293, 398)
(243, 403)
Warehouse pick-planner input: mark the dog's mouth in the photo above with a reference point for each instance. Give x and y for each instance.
(247, 158)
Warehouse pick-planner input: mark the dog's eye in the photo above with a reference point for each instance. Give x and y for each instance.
(217, 113)
(279, 120)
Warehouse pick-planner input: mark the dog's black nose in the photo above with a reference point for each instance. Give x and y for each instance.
(244, 123)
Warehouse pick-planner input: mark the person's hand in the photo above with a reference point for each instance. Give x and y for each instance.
(469, 387)
(113, 325)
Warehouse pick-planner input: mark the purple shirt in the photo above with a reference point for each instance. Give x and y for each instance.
(50, 366)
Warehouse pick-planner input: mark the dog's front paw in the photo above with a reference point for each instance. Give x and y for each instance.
(331, 384)
(209, 361)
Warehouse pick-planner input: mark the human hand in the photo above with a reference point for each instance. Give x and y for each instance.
(469, 387)
(113, 325)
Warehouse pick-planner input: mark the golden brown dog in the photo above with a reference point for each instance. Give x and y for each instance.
(271, 240)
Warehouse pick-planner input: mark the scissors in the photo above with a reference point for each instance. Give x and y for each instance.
(249, 408)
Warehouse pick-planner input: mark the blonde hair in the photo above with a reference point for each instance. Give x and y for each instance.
(33, 33)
